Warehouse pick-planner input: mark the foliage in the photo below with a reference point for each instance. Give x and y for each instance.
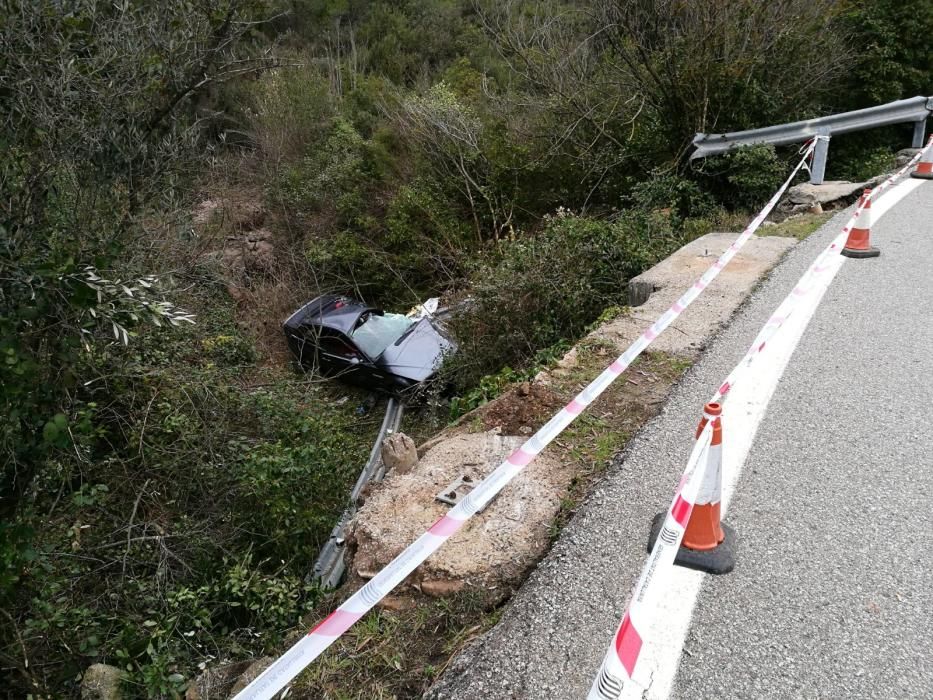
(492, 385)
(745, 178)
(335, 175)
(229, 350)
(683, 197)
(548, 287)
(859, 162)
(201, 501)
(894, 60)
(95, 107)
(287, 111)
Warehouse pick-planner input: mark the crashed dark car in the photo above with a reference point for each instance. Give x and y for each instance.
(345, 338)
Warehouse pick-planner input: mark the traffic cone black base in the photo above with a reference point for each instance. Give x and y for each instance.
(720, 560)
(855, 253)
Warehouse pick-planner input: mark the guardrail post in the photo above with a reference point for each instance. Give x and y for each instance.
(818, 168)
(920, 129)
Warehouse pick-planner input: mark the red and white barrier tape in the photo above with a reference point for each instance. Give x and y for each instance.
(815, 277)
(312, 645)
(622, 656)
(619, 662)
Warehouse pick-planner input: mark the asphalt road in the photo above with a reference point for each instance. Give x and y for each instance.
(832, 596)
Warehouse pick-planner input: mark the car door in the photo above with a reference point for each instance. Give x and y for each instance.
(336, 354)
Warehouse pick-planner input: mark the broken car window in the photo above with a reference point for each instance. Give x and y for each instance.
(377, 333)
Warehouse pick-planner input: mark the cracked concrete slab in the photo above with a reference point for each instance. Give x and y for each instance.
(656, 289)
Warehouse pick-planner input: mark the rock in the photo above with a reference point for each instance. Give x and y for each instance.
(904, 155)
(251, 673)
(494, 550)
(258, 250)
(245, 215)
(232, 258)
(102, 682)
(639, 289)
(215, 683)
(807, 196)
(439, 588)
(399, 454)
(236, 213)
(253, 252)
(205, 211)
(396, 603)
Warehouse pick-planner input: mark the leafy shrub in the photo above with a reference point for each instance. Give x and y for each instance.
(684, 198)
(335, 176)
(202, 503)
(289, 111)
(229, 350)
(862, 164)
(745, 178)
(416, 250)
(291, 489)
(544, 288)
(492, 385)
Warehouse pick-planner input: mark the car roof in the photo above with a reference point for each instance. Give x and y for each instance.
(336, 313)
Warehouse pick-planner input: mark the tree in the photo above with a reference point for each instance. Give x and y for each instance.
(644, 77)
(450, 135)
(98, 106)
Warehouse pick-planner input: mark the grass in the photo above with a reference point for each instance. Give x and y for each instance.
(602, 432)
(396, 653)
(799, 226)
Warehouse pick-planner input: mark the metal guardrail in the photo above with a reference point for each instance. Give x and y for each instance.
(329, 567)
(914, 110)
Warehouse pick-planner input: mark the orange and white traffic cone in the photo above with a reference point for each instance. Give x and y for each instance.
(858, 245)
(708, 544)
(704, 531)
(924, 169)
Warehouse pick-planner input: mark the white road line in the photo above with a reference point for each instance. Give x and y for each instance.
(743, 410)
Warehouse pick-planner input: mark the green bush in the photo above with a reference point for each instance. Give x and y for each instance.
(745, 178)
(682, 197)
(414, 251)
(334, 177)
(862, 164)
(229, 350)
(292, 486)
(541, 289)
(179, 520)
(288, 112)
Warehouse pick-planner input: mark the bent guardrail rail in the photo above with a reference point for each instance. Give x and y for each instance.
(914, 110)
(329, 567)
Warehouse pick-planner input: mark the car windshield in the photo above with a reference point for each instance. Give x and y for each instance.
(377, 333)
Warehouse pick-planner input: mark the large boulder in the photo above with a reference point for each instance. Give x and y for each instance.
(903, 156)
(494, 550)
(251, 674)
(831, 194)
